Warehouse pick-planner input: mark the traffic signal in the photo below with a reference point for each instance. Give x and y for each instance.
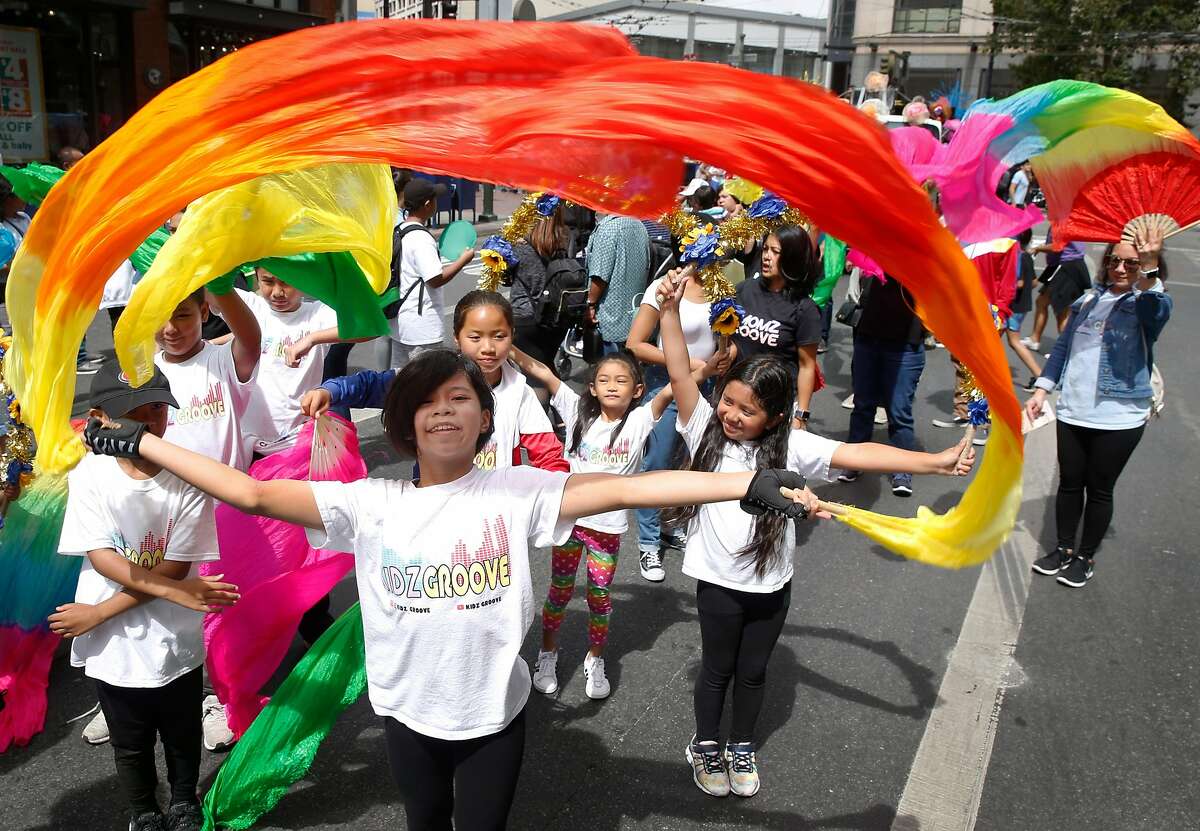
(885, 64)
(449, 9)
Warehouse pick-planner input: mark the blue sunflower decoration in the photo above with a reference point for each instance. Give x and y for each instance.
(546, 204)
(498, 258)
(725, 316)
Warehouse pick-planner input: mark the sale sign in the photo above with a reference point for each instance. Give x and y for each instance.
(22, 102)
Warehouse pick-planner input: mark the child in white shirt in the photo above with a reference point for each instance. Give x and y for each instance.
(606, 432)
(136, 619)
(443, 573)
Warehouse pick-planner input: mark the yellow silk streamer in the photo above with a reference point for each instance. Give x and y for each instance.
(334, 207)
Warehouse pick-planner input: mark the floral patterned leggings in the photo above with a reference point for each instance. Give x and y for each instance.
(601, 551)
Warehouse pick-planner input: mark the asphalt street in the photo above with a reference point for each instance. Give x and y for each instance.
(1091, 725)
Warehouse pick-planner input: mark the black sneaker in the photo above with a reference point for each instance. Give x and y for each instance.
(959, 421)
(184, 816)
(902, 484)
(1031, 384)
(149, 821)
(674, 540)
(849, 475)
(1076, 573)
(1052, 563)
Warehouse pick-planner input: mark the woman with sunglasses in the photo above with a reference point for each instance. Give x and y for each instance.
(1101, 364)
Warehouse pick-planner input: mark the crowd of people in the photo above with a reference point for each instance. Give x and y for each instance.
(696, 433)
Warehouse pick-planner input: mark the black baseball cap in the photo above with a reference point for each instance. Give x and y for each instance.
(419, 191)
(112, 392)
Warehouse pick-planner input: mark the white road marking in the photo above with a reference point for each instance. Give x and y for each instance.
(946, 780)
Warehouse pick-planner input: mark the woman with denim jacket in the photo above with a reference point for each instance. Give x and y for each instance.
(1101, 364)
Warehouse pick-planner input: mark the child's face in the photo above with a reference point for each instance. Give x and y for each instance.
(615, 387)
(447, 425)
(183, 331)
(730, 205)
(486, 338)
(742, 415)
(153, 415)
(281, 296)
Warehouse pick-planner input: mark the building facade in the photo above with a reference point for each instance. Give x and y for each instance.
(925, 46)
(791, 45)
(92, 63)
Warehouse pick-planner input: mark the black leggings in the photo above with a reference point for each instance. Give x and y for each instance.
(1090, 461)
(738, 632)
(470, 782)
(136, 717)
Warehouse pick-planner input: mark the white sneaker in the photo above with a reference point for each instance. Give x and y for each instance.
(708, 767)
(545, 675)
(848, 402)
(650, 563)
(743, 769)
(217, 735)
(880, 415)
(96, 731)
(597, 685)
(1031, 343)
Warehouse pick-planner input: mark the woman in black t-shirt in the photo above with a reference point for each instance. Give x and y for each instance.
(781, 317)
(550, 239)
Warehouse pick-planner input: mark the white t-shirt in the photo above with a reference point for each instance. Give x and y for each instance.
(419, 260)
(721, 529)
(275, 403)
(211, 419)
(697, 331)
(597, 452)
(443, 578)
(119, 287)
(518, 412)
(147, 521)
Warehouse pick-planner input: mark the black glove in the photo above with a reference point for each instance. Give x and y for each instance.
(763, 494)
(120, 438)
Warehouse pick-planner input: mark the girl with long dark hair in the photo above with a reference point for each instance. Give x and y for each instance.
(781, 318)
(743, 564)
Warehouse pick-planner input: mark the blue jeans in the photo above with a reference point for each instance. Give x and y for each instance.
(660, 450)
(885, 374)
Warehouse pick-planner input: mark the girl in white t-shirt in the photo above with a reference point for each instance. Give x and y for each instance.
(743, 564)
(443, 573)
(606, 429)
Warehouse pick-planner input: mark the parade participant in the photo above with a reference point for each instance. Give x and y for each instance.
(1064, 280)
(136, 619)
(443, 572)
(296, 336)
(1021, 305)
(1102, 365)
(483, 329)
(694, 309)
(419, 275)
(548, 241)
(781, 318)
(606, 428)
(743, 565)
(618, 264)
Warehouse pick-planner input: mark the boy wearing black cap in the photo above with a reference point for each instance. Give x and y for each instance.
(418, 323)
(137, 619)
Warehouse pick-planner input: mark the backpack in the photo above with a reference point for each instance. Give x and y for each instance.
(662, 259)
(391, 299)
(565, 294)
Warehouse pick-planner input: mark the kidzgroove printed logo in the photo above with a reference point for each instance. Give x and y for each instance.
(207, 408)
(469, 573)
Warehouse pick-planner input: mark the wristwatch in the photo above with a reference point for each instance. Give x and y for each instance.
(1150, 272)
(803, 415)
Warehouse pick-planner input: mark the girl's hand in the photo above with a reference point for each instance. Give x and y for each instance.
(670, 290)
(957, 460)
(316, 403)
(74, 619)
(294, 353)
(206, 593)
(717, 365)
(1035, 405)
(1149, 247)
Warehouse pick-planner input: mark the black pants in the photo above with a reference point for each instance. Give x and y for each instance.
(337, 360)
(738, 632)
(1089, 463)
(136, 716)
(315, 621)
(470, 783)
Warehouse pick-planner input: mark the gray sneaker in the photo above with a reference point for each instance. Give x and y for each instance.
(708, 768)
(96, 731)
(743, 768)
(217, 735)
